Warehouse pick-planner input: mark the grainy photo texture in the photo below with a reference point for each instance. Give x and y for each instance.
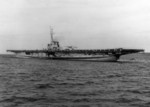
(74, 53)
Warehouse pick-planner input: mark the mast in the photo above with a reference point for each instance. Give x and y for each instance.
(51, 34)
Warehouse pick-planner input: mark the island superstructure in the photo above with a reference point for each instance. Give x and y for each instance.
(55, 52)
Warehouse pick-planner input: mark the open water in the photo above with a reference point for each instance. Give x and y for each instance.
(53, 83)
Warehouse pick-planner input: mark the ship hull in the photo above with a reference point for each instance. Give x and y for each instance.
(99, 59)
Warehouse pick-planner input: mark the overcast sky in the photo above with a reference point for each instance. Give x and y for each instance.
(24, 24)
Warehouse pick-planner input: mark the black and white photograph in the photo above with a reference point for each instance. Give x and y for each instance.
(74, 53)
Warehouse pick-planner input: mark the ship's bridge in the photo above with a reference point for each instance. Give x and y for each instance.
(54, 45)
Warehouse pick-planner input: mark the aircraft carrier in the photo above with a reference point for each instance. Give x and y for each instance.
(55, 52)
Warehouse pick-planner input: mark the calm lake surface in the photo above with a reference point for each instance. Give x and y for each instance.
(53, 83)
